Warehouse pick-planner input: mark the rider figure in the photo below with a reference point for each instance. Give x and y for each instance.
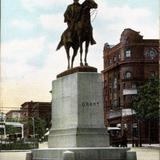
(72, 13)
(71, 16)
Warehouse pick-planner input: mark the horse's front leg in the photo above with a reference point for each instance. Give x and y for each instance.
(81, 51)
(86, 52)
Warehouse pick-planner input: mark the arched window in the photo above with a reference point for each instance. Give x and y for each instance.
(128, 75)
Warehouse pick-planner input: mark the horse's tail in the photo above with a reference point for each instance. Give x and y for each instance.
(59, 45)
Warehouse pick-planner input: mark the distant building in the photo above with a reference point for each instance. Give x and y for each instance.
(2, 116)
(13, 115)
(36, 109)
(43, 111)
(26, 109)
(127, 66)
(16, 134)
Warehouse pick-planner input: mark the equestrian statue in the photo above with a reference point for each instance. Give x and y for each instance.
(78, 19)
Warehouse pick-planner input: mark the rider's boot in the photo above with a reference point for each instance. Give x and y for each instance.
(93, 41)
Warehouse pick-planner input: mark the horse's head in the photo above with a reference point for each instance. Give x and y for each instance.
(90, 4)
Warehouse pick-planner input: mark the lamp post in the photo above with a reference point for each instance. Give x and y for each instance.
(121, 112)
(33, 124)
(132, 129)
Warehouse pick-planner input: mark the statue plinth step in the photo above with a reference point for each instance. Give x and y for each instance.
(77, 69)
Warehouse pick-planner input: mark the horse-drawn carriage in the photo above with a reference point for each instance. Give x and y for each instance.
(116, 138)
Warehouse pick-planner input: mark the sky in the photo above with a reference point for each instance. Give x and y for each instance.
(30, 33)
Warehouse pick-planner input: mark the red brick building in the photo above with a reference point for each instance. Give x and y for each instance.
(127, 66)
(13, 115)
(36, 109)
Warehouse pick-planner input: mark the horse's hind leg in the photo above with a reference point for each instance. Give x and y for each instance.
(86, 52)
(68, 56)
(74, 54)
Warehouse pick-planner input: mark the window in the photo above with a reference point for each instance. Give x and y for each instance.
(105, 84)
(128, 53)
(119, 56)
(134, 86)
(110, 102)
(118, 75)
(115, 59)
(110, 61)
(118, 87)
(152, 74)
(115, 103)
(124, 85)
(128, 75)
(124, 98)
(151, 52)
(115, 83)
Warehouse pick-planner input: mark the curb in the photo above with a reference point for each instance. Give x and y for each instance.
(15, 150)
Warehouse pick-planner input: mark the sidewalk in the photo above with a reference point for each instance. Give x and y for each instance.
(147, 153)
(13, 155)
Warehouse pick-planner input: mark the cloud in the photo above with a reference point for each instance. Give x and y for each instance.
(28, 82)
(112, 20)
(29, 4)
(16, 54)
(22, 24)
(52, 22)
(22, 81)
(111, 12)
(22, 49)
(43, 4)
(17, 92)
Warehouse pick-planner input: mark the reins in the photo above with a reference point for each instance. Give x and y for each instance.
(94, 13)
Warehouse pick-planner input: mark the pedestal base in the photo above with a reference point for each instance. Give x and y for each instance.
(79, 137)
(94, 153)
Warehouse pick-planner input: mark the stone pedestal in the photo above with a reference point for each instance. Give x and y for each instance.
(78, 131)
(77, 112)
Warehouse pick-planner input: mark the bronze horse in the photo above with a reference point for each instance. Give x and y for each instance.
(82, 32)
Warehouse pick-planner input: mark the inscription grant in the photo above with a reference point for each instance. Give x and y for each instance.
(90, 104)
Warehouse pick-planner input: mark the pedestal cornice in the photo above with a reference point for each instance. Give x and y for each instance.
(77, 69)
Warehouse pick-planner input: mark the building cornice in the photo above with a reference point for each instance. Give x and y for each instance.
(130, 62)
(145, 43)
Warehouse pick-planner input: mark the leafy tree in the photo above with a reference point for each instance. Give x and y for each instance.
(12, 130)
(146, 102)
(13, 120)
(40, 128)
(39, 125)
